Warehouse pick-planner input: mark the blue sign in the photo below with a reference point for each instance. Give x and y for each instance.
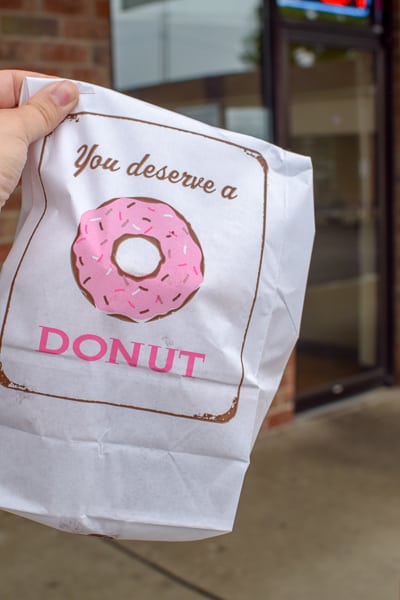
(350, 8)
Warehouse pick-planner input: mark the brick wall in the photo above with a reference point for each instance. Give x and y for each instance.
(71, 39)
(282, 408)
(67, 38)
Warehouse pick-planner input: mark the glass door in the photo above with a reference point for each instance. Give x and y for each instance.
(202, 59)
(332, 109)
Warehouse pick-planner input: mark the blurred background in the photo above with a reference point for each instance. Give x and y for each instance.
(314, 76)
(319, 77)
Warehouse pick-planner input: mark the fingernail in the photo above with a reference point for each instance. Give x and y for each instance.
(63, 93)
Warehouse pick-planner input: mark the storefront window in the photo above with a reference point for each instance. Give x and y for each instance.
(333, 119)
(202, 59)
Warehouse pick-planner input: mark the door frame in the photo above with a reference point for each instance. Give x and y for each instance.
(284, 33)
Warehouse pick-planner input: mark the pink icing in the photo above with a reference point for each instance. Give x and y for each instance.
(178, 275)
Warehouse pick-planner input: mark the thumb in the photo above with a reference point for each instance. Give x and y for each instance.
(46, 109)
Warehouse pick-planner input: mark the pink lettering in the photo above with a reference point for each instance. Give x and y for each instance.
(90, 348)
(76, 347)
(44, 341)
(116, 346)
(168, 363)
(191, 360)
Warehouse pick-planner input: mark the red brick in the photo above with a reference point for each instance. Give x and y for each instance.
(55, 70)
(103, 9)
(282, 407)
(8, 224)
(278, 419)
(64, 53)
(101, 55)
(14, 201)
(67, 7)
(18, 50)
(32, 26)
(4, 250)
(87, 29)
(98, 75)
(12, 4)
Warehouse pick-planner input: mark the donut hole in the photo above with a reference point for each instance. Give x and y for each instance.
(138, 256)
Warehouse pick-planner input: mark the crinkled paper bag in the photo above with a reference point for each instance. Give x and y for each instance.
(148, 307)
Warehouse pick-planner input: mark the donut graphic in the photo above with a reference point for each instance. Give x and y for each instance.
(176, 273)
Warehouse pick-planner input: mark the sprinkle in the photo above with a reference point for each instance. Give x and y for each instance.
(125, 281)
(173, 233)
(130, 303)
(119, 290)
(169, 253)
(186, 278)
(185, 230)
(109, 271)
(80, 240)
(131, 204)
(195, 271)
(106, 300)
(86, 228)
(125, 223)
(183, 265)
(176, 297)
(135, 292)
(146, 219)
(120, 215)
(151, 209)
(136, 227)
(165, 277)
(81, 260)
(148, 229)
(143, 288)
(142, 312)
(158, 299)
(184, 249)
(101, 226)
(95, 219)
(86, 280)
(98, 258)
(109, 210)
(103, 242)
(168, 216)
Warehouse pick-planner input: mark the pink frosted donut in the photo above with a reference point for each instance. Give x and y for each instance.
(174, 281)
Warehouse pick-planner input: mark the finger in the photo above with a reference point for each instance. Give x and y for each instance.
(10, 86)
(46, 109)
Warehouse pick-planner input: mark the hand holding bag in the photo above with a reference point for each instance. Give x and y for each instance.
(148, 307)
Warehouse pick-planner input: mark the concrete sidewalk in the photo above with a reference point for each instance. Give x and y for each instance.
(319, 519)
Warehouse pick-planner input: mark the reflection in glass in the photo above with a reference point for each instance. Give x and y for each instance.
(169, 40)
(199, 58)
(332, 119)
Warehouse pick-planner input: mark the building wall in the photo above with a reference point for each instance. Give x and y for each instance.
(395, 78)
(71, 39)
(67, 38)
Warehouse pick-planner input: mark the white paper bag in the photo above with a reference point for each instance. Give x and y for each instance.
(148, 307)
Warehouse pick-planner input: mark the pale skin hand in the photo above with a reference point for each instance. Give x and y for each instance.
(20, 126)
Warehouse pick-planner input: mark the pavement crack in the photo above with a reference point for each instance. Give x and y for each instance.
(150, 564)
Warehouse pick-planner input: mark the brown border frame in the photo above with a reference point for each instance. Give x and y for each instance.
(230, 413)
